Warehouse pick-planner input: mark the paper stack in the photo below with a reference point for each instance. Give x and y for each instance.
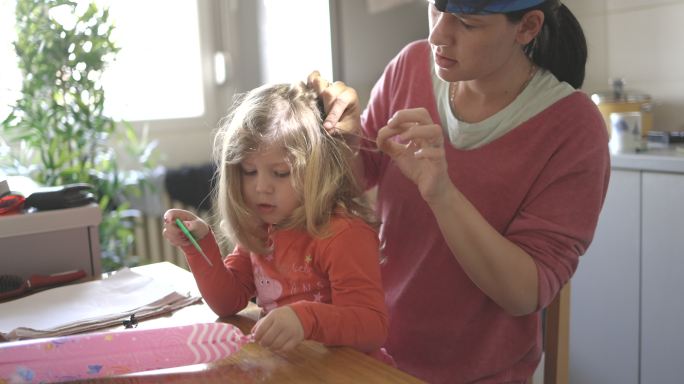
(4, 187)
(89, 306)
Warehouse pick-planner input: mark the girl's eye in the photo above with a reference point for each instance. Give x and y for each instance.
(248, 172)
(282, 173)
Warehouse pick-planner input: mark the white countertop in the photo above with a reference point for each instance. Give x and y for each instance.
(657, 158)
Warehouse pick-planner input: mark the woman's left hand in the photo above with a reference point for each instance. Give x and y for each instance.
(416, 144)
(341, 102)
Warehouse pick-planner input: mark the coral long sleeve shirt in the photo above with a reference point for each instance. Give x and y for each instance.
(332, 283)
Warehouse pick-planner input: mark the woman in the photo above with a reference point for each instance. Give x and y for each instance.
(491, 174)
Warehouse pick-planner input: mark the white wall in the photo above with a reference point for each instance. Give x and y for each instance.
(364, 42)
(642, 41)
(639, 40)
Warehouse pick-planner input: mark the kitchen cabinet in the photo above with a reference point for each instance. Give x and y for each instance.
(604, 309)
(626, 306)
(662, 278)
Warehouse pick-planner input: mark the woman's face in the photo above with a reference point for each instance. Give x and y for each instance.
(467, 47)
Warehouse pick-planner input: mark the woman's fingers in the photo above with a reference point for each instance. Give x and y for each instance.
(429, 135)
(340, 104)
(344, 104)
(431, 152)
(316, 82)
(388, 139)
(411, 130)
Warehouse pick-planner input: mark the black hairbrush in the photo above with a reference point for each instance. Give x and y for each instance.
(321, 108)
(12, 285)
(60, 197)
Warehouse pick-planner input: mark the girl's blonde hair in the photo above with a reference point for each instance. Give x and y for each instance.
(284, 115)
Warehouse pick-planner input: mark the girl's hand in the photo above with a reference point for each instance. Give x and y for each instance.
(416, 144)
(280, 330)
(198, 227)
(341, 104)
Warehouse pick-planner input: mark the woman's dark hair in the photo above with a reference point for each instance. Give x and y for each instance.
(560, 46)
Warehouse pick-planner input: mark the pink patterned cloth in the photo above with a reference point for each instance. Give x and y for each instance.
(102, 354)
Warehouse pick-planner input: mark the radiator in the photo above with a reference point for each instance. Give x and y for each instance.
(149, 244)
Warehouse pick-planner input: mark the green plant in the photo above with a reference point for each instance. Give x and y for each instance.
(57, 132)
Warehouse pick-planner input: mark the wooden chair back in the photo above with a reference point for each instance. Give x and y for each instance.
(556, 341)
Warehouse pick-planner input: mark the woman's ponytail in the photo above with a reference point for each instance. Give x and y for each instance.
(560, 47)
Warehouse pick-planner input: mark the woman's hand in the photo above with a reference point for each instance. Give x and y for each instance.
(416, 144)
(198, 227)
(341, 104)
(280, 330)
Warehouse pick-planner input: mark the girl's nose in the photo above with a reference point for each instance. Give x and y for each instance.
(263, 183)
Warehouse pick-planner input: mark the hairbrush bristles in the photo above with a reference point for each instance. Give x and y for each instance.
(10, 282)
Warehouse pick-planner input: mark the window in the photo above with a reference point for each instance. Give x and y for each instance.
(158, 72)
(295, 39)
(10, 77)
(156, 75)
(174, 74)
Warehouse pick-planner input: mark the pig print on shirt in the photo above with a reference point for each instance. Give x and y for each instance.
(268, 290)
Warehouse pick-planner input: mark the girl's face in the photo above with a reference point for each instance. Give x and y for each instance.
(267, 184)
(467, 47)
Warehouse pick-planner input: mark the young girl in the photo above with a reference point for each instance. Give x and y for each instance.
(306, 247)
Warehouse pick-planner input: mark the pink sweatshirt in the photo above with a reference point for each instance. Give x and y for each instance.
(541, 185)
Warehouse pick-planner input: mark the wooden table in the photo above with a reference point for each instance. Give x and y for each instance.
(310, 362)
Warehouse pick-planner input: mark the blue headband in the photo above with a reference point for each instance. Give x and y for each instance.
(494, 6)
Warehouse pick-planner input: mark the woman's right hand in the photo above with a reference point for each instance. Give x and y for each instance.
(341, 104)
(198, 227)
(416, 145)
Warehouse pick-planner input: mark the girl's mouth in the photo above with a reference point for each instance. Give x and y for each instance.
(265, 208)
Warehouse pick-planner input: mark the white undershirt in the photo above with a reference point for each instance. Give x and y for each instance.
(542, 91)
